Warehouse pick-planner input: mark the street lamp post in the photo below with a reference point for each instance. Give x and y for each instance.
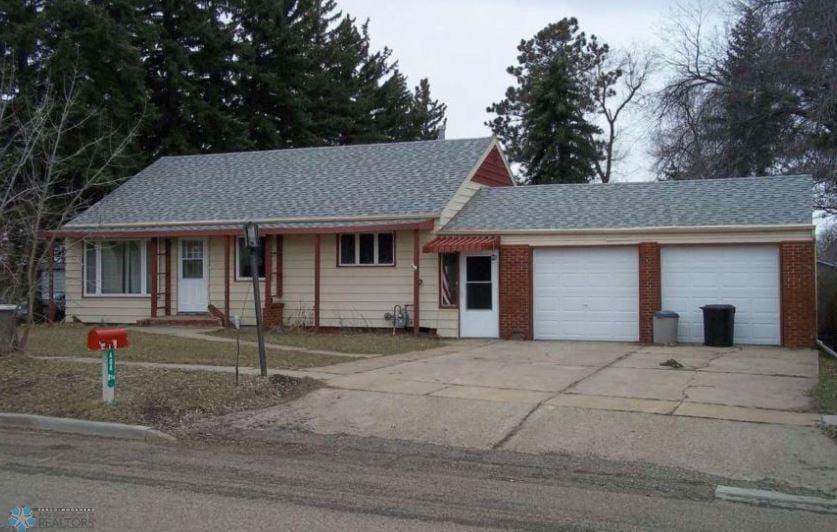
(251, 238)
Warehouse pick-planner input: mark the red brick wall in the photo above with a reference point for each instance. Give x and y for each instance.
(492, 171)
(273, 315)
(798, 277)
(516, 292)
(650, 291)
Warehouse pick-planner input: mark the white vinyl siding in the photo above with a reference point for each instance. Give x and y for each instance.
(359, 297)
(350, 297)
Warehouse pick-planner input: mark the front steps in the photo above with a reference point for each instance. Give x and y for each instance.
(184, 320)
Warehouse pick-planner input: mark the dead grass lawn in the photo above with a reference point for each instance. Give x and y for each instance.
(360, 342)
(162, 398)
(71, 340)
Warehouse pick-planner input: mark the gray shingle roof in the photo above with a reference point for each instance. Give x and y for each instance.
(397, 179)
(707, 202)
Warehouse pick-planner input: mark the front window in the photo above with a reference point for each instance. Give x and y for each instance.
(367, 249)
(115, 267)
(242, 262)
(448, 280)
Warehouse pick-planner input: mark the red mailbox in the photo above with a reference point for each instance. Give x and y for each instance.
(97, 337)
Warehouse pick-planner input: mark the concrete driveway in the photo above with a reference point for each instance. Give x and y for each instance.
(728, 411)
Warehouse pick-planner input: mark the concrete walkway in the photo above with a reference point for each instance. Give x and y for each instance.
(201, 334)
(324, 373)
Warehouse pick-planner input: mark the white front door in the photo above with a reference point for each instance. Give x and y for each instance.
(193, 285)
(744, 276)
(478, 296)
(586, 294)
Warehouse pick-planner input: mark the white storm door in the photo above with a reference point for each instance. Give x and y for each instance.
(193, 278)
(479, 296)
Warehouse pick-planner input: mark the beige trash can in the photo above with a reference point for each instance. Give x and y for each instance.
(665, 327)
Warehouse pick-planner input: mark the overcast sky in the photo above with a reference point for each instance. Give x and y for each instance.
(464, 47)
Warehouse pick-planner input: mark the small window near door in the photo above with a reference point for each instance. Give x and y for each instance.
(366, 249)
(478, 289)
(242, 259)
(449, 280)
(191, 256)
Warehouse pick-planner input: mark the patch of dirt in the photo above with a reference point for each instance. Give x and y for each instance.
(227, 426)
(292, 388)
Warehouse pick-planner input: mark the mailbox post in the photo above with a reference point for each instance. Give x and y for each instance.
(251, 239)
(106, 341)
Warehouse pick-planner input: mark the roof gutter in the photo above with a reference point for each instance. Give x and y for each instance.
(629, 230)
(153, 232)
(415, 216)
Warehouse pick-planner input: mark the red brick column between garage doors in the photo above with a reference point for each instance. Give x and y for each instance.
(798, 297)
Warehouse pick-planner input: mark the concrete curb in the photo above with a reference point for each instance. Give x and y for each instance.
(82, 426)
(776, 499)
(829, 420)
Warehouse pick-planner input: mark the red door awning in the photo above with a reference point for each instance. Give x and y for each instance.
(449, 244)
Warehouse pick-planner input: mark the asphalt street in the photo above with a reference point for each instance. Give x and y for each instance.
(300, 481)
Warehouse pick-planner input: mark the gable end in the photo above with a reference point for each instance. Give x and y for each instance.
(493, 171)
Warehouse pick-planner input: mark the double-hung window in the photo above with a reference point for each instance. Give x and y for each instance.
(366, 249)
(115, 267)
(242, 259)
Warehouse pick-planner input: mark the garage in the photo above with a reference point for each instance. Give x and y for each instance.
(744, 276)
(586, 294)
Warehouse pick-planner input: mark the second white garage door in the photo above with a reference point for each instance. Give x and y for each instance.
(586, 294)
(744, 276)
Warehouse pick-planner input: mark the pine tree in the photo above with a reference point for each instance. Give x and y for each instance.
(542, 121)
(427, 115)
(358, 95)
(20, 32)
(274, 69)
(217, 75)
(188, 56)
(66, 42)
(755, 110)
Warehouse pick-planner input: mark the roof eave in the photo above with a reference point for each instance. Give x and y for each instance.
(404, 216)
(622, 230)
(152, 232)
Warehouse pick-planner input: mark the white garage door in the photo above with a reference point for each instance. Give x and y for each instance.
(744, 276)
(586, 294)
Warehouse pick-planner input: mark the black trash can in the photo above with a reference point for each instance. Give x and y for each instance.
(718, 325)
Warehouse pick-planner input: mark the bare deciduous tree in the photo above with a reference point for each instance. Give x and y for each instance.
(684, 149)
(759, 98)
(616, 87)
(43, 184)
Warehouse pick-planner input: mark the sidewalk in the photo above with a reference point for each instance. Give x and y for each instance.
(243, 370)
(323, 373)
(194, 335)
